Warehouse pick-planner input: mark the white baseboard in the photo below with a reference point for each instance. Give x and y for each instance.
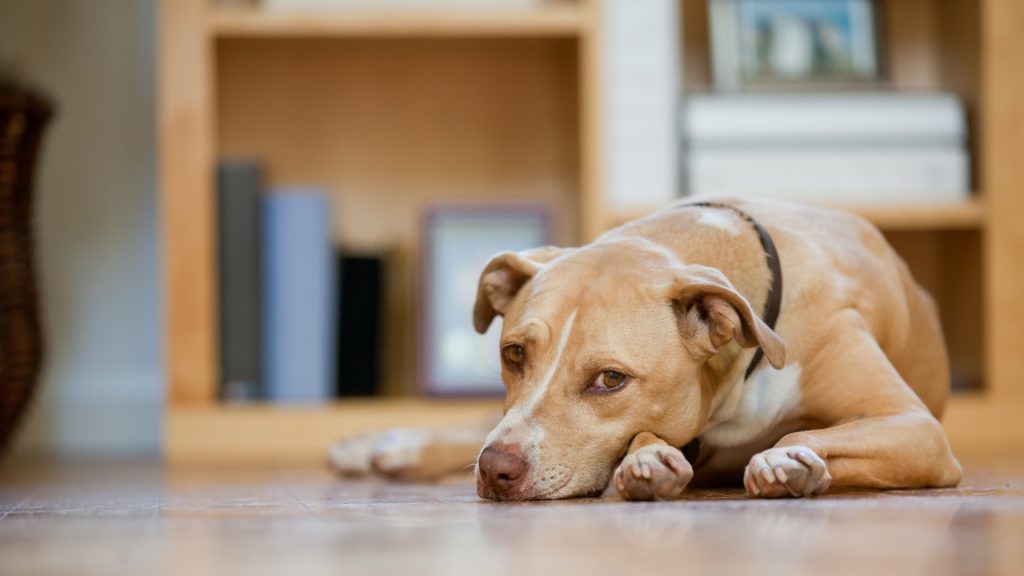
(121, 416)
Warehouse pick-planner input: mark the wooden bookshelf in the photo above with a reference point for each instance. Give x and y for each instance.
(518, 94)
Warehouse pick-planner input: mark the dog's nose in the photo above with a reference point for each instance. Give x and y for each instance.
(501, 467)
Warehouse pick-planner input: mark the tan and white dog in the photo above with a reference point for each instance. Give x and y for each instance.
(655, 337)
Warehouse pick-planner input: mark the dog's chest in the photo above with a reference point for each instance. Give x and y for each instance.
(747, 410)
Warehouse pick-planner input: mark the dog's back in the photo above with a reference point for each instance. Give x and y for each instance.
(836, 260)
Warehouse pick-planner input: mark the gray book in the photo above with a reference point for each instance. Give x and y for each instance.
(239, 233)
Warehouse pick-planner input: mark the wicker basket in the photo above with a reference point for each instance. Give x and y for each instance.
(23, 116)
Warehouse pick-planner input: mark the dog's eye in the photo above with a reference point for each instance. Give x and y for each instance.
(609, 380)
(513, 354)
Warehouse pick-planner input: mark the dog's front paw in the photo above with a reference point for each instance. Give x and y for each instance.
(791, 471)
(655, 472)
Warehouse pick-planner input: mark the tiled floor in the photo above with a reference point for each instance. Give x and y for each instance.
(140, 519)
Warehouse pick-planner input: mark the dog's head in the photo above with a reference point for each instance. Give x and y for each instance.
(599, 344)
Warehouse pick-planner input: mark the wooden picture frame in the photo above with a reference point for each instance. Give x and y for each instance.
(803, 44)
(457, 241)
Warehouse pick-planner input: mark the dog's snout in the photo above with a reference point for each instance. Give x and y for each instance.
(501, 467)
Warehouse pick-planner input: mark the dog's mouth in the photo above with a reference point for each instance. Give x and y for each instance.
(569, 487)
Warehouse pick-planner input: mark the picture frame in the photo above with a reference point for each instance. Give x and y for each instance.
(457, 241)
(779, 44)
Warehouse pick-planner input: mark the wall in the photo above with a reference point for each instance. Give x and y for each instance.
(97, 224)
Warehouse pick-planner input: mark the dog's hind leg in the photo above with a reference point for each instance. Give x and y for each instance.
(418, 454)
(878, 436)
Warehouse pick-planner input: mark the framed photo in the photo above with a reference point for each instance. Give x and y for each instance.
(780, 43)
(458, 241)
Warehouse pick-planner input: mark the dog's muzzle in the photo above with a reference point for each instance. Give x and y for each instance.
(501, 470)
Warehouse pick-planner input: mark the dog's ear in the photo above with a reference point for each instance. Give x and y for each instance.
(502, 278)
(712, 314)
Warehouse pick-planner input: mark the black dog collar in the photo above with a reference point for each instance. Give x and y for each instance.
(773, 304)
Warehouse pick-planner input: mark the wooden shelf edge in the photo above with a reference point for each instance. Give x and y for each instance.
(299, 435)
(541, 20)
(944, 215)
(966, 215)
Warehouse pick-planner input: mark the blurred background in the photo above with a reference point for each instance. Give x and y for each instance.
(100, 389)
(258, 225)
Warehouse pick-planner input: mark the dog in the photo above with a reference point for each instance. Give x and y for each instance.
(723, 340)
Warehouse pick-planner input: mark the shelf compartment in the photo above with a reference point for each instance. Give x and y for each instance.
(948, 264)
(390, 126)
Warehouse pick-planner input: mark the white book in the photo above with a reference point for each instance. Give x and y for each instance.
(836, 175)
(640, 93)
(823, 119)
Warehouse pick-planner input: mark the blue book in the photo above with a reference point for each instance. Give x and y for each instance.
(299, 292)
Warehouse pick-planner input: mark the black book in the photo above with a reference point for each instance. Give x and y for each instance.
(239, 232)
(360, 280)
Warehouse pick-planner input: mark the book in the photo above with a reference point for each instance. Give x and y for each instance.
(298, 276)
(828, 148)
(360, 284)
(239, 197)
(839, 175)
(641, 90)
(841, 118)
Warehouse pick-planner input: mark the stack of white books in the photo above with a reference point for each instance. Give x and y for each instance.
(828, 148)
